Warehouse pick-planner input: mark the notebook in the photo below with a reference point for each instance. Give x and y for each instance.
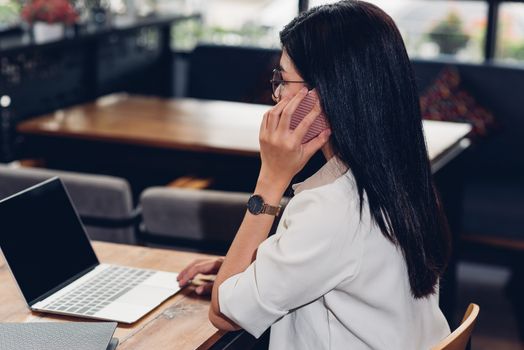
(56, 335)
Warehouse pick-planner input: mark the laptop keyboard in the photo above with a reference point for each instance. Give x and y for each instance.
(100, 290)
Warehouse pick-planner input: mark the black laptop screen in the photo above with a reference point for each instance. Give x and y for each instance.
(42, 239)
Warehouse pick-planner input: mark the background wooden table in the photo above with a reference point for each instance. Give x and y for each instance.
(180, 124)
(181, 322)
(152, 141)
(186, 124)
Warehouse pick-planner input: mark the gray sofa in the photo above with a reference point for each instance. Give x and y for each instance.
(493, 169)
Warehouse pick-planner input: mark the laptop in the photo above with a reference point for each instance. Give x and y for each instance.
(56, 269)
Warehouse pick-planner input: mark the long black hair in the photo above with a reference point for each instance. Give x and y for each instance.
(352, 53)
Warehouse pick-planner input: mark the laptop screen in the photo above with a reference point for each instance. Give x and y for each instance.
(43, 240)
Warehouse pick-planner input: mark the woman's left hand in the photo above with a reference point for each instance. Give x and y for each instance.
(200, 266)
(281, 150)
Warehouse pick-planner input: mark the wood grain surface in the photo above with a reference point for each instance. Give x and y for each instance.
(181, 322)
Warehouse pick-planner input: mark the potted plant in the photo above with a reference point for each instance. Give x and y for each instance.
(449, 34)
(48, 18)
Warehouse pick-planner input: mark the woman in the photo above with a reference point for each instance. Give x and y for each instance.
(358, 253)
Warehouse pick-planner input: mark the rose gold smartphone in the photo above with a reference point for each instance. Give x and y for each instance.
(306, 105)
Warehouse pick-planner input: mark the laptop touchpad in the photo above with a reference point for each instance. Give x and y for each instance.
(145, 295)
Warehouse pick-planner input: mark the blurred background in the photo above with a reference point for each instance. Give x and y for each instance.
(468, 58)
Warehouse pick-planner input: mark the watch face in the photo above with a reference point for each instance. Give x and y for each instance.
(255, 204)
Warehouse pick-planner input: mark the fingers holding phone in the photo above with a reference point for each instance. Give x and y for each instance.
(288, 136)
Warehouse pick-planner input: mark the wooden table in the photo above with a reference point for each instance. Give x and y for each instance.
(181, 322)
(187, 125)
(179, 124)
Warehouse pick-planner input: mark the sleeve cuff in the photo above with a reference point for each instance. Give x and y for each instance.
(239, 300)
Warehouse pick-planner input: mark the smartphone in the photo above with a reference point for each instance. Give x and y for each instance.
(306, 105)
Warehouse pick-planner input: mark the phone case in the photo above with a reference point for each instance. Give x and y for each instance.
(305, 106)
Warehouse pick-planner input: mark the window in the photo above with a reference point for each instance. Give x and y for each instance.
(510, 32)
(9, 13)
(238, 22)
(438, 28)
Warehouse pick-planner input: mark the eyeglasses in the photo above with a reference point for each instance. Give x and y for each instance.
(277, 82)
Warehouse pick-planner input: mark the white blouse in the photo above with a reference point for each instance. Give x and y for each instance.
(330, 280)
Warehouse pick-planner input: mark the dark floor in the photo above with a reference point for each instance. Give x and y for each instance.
(496, 327)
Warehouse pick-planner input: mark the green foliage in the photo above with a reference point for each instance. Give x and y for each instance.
(513, 50)
(186, 34)
(509, 47)
(9, 12)
(449, 34)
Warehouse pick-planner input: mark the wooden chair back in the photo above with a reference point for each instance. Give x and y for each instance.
(458, 339)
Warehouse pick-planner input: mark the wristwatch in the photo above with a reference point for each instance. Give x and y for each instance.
(256, 205)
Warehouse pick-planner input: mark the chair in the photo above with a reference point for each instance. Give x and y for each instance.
(232, 73)
(104, 203)
(458, 340)
(202, 220)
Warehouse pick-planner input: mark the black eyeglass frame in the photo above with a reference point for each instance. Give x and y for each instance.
(275, 83)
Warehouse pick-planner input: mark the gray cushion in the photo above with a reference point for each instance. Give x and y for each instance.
(95, 196)
(193, 214)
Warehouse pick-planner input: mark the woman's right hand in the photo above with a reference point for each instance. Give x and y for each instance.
(200, 266)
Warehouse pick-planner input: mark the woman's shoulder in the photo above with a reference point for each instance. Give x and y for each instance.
(335, 172)
(339, 190)
(337, 200)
